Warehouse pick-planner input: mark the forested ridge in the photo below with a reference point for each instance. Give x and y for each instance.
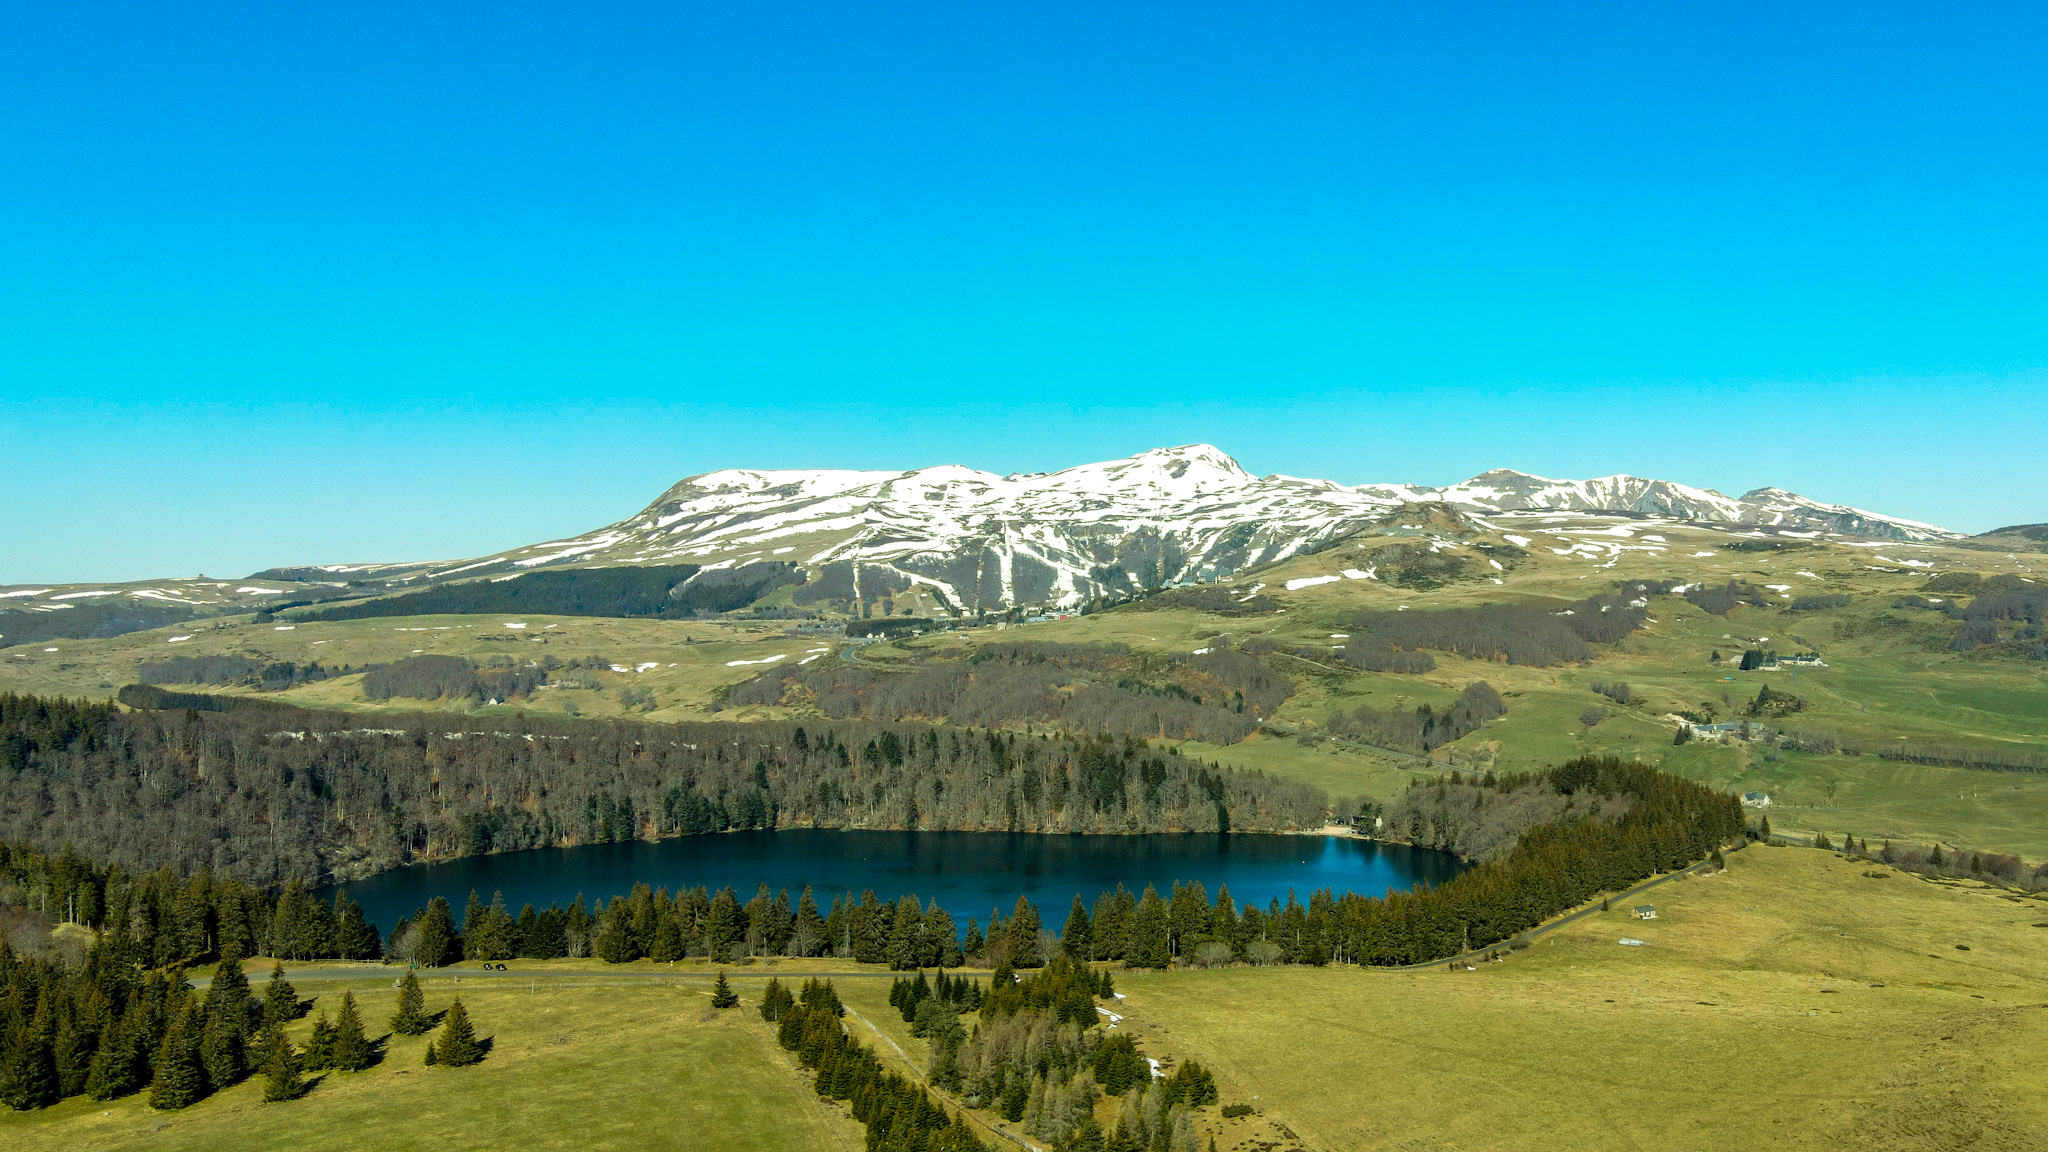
(1217, 696)
(673, 591)
(270, 794)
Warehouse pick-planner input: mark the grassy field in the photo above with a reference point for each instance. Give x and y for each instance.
(623, 1066)
(1800, 999)
(1792, 1002)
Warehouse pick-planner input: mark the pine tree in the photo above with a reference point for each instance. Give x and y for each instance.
(411, 1017)
(354, 937)
(775, 1001)
(319, 1051)
(280, 999)
(179, 1080)
(436, 942)
(722, 995)
(457, 1046)
(31, 1063)
(281, 1073)
(351, 1052)
(668, 939)
(116, 1065)
(1077, 939)
(223, 1043)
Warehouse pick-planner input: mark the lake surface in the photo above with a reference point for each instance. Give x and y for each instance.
(967, 872)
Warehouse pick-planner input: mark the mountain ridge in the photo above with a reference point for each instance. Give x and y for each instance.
(975, 540)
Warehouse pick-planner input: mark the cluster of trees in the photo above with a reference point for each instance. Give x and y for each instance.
(896, 1113)
(454, 677)
(1038, 1056)
(1721, 599)
(81, 620)
(1419, 568)
(1773, 704)
(272, 676)
(1424, 728)
(1217, 696)
(669, 591)
(163, 918)
(1618, 823)
(1817, 603)
(1485, 816)
(1990, 867)
(1615, 690)
(923, 1001)
(1514, 633)
(2020, 609)
(106, 1029)
(1959, 756)
(1376, 655)
(277, 792)
(906, 934)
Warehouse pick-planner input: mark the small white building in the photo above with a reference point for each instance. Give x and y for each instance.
(1644, 912)
(1756, 800)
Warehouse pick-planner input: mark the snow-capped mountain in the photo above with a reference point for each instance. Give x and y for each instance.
(972, 540)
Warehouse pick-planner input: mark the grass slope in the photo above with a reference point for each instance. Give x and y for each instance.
(1793, 1000)
(617, 1066)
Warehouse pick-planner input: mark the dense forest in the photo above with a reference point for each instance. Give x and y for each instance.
(1550, 840)
(1481, 818)
(668, 592)
(269, 675)
(1217, 696)
(271, 793)
(1424, 727)
(84, 621)
(1514, 633)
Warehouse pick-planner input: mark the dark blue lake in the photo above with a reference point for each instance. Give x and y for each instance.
(967, 872)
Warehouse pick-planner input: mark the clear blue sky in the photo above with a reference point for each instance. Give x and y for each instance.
(306, 283)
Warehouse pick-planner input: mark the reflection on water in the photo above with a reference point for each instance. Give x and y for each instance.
(967, 872)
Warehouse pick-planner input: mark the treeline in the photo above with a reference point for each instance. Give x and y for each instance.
(1722, 599)
(1486, 816)
(1425, 727)
(453, 677)
(267, 794)
(2006, 609)
(270, 675)
(668, 592)
(116, 616)
(897, 1113)
(1932, 861)
(649, 923)
(168, 917)
(1039, 1056)
(2020, 611)
(1218, 697)
(1514, 633)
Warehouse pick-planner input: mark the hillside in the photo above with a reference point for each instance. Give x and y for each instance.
(951, 540)
(1823, 1002)
(1903, 676)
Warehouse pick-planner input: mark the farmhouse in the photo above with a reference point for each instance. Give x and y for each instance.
(1644, 912)
(1756, 800)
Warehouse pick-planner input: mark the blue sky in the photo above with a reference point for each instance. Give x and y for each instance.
(285, 284)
